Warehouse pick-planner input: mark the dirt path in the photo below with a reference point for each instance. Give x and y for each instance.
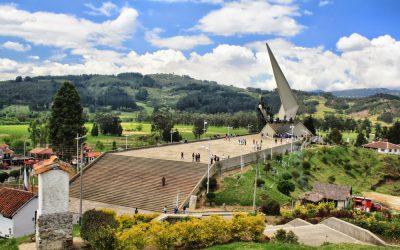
(78, 244)
(390, 200)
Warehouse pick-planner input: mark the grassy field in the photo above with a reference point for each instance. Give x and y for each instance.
(131, 130)
(357, 167)
(279, 246)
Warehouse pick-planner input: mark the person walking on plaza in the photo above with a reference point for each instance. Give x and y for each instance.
(163, 181)
(175, 210)
(136, 211)
(181, 155)
(165, 210)
(193, 157)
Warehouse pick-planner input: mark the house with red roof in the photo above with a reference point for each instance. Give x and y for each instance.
(41, 153)
(5, 152)
(17, 212)
(384, 147)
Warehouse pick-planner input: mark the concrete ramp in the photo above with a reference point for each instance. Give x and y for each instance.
(331, 230)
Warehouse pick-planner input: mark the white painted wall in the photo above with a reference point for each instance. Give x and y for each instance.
(389, 151)
(53, 192)
(24, 219)
(5, 225)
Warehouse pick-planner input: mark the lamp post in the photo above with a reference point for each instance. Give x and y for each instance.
(80, 175)
(204, 127)
(248, 128)
(126, 141)
(228, 129)
(255, 190)
(171, 132)
(208, 165)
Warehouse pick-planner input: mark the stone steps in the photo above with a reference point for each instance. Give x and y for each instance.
(136, 182)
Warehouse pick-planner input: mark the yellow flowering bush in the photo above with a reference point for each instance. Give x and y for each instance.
(126, 221)
(248, 227)
(161, 235)
(136, 237)
(217, 230)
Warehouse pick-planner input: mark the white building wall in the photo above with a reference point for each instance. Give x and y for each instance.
(5, 225)
(24, 219)
(53, 192)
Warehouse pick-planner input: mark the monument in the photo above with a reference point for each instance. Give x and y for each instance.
(285, 125)
(54, 222)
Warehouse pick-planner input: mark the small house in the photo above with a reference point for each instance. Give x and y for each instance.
(384, 147)
(17, 212)
(326, 192)
(41, 153)
(5, 153)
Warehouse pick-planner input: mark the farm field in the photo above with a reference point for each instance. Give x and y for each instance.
(131, 131)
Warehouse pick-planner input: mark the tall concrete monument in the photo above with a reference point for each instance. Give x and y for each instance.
(286, 124)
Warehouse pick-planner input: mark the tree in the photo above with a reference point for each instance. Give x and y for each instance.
(309, 123)
(198, 127)
(270, 207)
(95, 130)
(393, 135)
(3, 177)
(361, 140)
(378, 131)
(66, 121)
(162, 123)
(114, 145)
(142, 116)
(15, 174)
(286, 187)
(99, 145)
(18, 79)
(109, 124)
(386, 117)
(335, 136)
(142, 94)
(34, 132)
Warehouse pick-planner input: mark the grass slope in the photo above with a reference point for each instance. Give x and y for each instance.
(356, 167)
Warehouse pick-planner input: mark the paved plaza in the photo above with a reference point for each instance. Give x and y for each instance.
(223, 148)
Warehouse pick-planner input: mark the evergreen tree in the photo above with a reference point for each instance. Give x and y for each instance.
(393, 135)
(114, 145)
(335, 136)
(309, 123)
(162, 123)
(198, 127)
(378, 131)
(66, 121)
(34, 132)
(360, 139)
(95, 130)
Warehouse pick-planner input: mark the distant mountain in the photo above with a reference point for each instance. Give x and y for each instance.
(359, 93)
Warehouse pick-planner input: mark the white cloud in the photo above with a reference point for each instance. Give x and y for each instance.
(66, 31)
(106, 9)
(34, 57)
(352, 42)
(16, 46)
(308, 13)
(251, 17)
(193, 1)
(176, 42)
(377, 64)
(324, 2)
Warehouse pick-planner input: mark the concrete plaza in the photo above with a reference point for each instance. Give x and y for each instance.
(223, 148)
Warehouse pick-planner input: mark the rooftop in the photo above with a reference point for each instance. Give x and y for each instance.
(12, 200)
(332, 191)
(381, 144)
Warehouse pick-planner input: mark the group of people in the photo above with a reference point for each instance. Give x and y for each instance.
(242, 141)
(175, 210)
(257, 145)
(196, 157)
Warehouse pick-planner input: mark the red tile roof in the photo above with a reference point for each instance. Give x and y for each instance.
(11, 200)
(41, 151)
(382, 144)
(52, 163)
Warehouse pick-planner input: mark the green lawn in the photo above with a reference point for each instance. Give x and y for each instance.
(279, 246)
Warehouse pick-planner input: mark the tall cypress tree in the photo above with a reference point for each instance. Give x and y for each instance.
(66, 121)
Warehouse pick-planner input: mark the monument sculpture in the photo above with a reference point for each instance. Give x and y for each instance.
(285, 125)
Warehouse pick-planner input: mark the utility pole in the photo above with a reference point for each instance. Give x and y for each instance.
(209, 165)
(24, 149)
(171, 132)
(204, 127)
(79, 168)
(126, 141)
(291, 143)
(228, 129)
(255, 189)
(248, 128)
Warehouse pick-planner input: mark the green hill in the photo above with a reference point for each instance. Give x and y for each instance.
(357, 167)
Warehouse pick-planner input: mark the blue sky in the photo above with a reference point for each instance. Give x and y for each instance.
(320, 44)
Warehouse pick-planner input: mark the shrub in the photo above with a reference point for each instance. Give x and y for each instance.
(260, 182)
(347, 167)
(210, 197)
(277, 157)
(14, 174)
(127, 221)
(331, 179)
(3, 177)
(216, 231)
(271, 207)
(303, 181)
(295, 174)
(286, 176)
(282, 236)
(135, 237)
(93, 221)
(286, 187)
(160, 235)
(307, 172)
(189, 233)
(306, 165)
(212, 185)
(267, 167)
(248, 227)
(104, 238)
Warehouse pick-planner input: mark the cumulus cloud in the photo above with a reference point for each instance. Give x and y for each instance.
(251, 17)
(193, 1)
(177, 42)
(16, 46)
(66, 31)
(353, 42)
(377, 64)
(324, 3)
(106, 9)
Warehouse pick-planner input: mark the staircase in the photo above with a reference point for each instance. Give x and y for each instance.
(136, 182)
